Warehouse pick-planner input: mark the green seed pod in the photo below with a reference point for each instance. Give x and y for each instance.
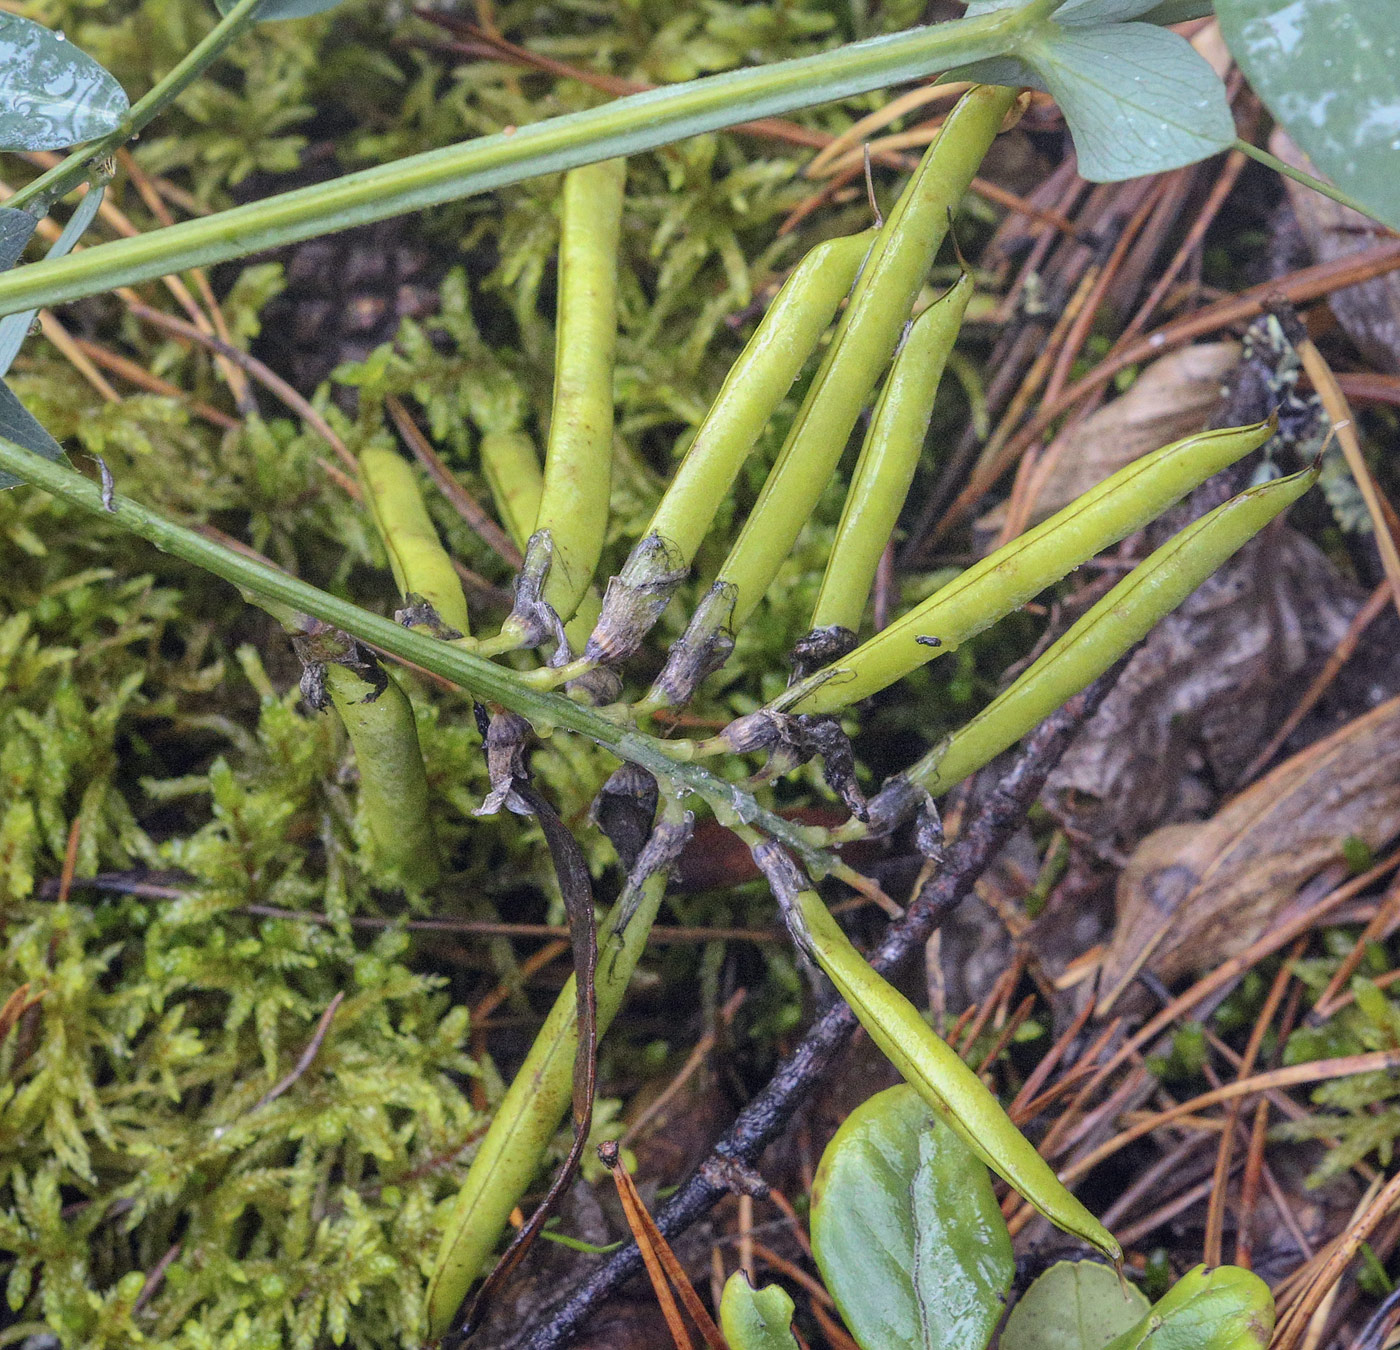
(755, 385)
(573, 508)
(510, 1156)
(1227, 1308)
(757, 382)
(512, 470)
(888, 460)
(927, 1062)
(393, 785)
(419, 562)
(1006, 579)
(864, 342)
(1122, 618)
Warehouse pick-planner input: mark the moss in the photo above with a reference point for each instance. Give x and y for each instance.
(172, 1173)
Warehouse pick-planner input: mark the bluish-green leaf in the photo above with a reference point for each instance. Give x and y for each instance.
(1329, 70)
(18, 424)
(284, 9)
(906, 1230)
(1138, 99)
(51, 94)
(15, 229)
(756, 1319)
(1075, 1305)
(1074, 12)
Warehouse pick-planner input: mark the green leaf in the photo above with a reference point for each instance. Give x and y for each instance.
(1179, 11)
(906, 1230)
(1327, 70)
(15, 229)
(51, 94)
(18, 424)
(1075, 1305)
(284, 9)
(1227, 1308)
(756, 1319)
(1138, 99)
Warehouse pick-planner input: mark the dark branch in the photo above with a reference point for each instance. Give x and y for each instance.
(1003, 809)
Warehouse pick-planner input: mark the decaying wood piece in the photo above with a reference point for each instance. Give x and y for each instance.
(1195, 895)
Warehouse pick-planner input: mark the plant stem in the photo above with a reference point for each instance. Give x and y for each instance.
(764, 1118)
(483, 679)
(1306, 179)
(65, 176)
(639, 122)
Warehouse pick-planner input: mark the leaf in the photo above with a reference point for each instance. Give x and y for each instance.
(284, 9)
(1193, 895)
(15, 229)
(756, 1319)
(1075, 12)
(1227, 1308)
(1075, 1305)
(51, 94)
(1370, 310)
(1138, 99)
(1326, 70)
(18, 424)
(906, 1230)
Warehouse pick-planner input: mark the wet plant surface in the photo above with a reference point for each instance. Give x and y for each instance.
(267, 978)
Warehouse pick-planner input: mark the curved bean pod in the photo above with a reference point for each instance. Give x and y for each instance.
(1227, 1308)
(864, 341)
(1006, 579)
(511, 466)
(934, 1070)
(573, 509)
(1122, 618)
(512, 470)
(888, 460)
(513, 1150)
(393, 784)
(757, 382)
(417, 558)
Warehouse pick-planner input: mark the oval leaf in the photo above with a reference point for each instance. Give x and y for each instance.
(1327, 71)
(756, 1319)
(1227, 1308)
(1138, 99)
(906, 1230)
(1075, 1305)
(51, 94)
(284, 9)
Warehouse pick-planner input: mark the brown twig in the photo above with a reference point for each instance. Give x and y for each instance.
(462, 501)
(307, 1056)
(765, 1116)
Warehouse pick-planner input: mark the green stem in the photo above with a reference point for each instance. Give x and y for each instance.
(1306, 179)
(483, 679)
(65, 176)
(622, 127)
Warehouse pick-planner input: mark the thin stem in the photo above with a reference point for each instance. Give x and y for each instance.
(1306, 179)
(65, 176)
(486, 681)
(624, 127)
